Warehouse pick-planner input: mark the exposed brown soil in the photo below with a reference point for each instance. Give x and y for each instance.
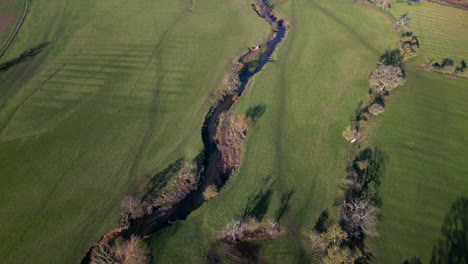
(5, 22)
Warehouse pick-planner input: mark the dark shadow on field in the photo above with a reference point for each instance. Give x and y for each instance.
(453, 246)
(244, 252)
(161, 179)
(413, 260)
(284, 204)
(255, 112)
(259, 200)
(32, 52)
(323, 222)
(366, 172)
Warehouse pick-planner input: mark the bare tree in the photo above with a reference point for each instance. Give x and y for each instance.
(235, 230)
(403, 22)
(121, 251)
(132, 205)
(383, 3)
(273, 227)
(386, 77)
(359, 216)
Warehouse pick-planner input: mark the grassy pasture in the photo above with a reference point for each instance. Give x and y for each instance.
(296, 146)
(120, 92)
(441, 30)
(424, 134)
(11, 12)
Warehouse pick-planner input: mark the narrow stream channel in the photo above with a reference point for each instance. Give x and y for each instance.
(149, 224)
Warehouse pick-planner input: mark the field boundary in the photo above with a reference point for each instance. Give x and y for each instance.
(13, 34)
(463, 6)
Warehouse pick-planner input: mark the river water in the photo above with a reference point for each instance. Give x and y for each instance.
(161, 218)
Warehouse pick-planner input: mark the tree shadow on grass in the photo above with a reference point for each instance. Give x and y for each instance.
(255, 112)
(366, 172)
(243, 252)
(284, 204)
(413, 260)
(453, 246)
(32, 52)
(323, 222)
(259, 200)
(161, 179)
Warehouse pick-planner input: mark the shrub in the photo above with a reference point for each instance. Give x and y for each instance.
(402, 22)
(383, 3)
(376, 109)
(386, 77)
(251, 224)
(131, 204)
(349, 133)
(317, 241)
(391, 57)
(121, 251)
(210, 192)
(447, 62)
(235, 230)
(462, 66)
(339, 255)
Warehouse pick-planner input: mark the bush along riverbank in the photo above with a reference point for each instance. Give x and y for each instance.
(340, 232)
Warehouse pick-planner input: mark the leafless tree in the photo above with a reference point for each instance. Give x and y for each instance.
(121, 251)
(273, 227)
(383, 3)
(359, 216)
(235, 230)
(403, 22)
(386, 77)
(132, 205)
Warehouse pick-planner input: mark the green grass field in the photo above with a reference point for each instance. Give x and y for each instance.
(120, 91)
(11, 13)
(424, 134)
(309, 95)
(441, 30)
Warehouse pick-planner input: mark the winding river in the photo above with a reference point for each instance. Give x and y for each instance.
(161, 218)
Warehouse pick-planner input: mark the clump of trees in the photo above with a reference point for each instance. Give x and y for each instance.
(334, 242)
(359, 217)
(120, 251)
(386, 77)
(376, 109)
(448, 67)
(409, 45)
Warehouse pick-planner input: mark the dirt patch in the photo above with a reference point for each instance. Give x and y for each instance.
(5, 22)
